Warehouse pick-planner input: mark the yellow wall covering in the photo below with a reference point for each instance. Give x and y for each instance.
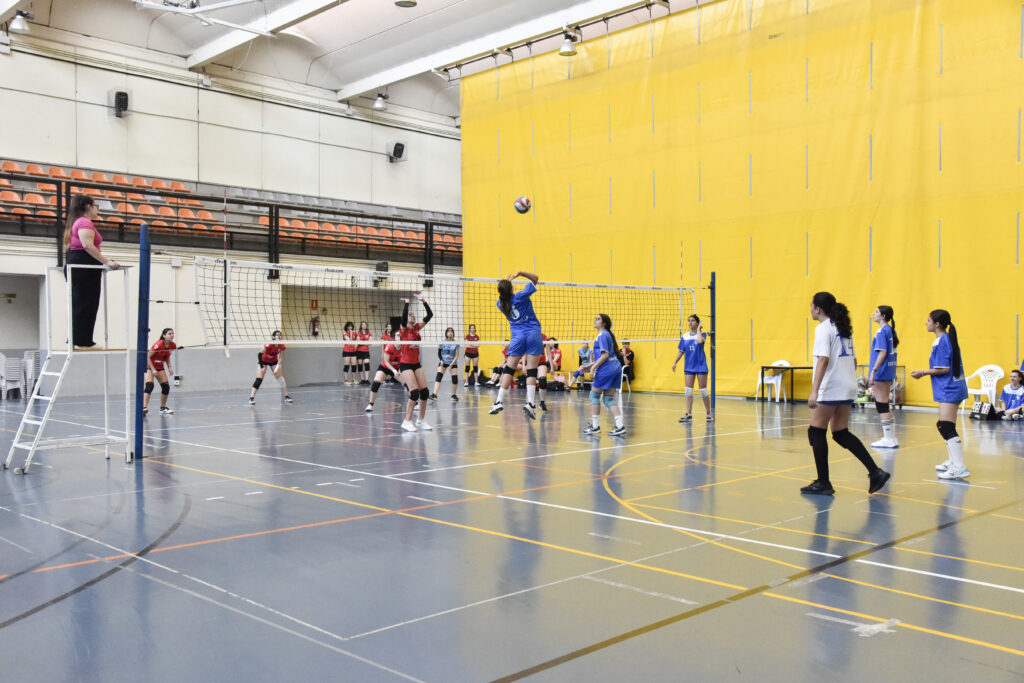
(871, 148)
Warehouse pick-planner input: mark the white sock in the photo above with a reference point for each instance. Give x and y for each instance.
(956, 452)
(531, 389)
(618, 420)
(501, 395)
(594, 422)
(888, 429)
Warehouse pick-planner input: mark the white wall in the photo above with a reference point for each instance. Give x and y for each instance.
(56, 112)
(19, 312)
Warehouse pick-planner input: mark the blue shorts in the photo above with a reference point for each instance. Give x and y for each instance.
(526, 343)
(848, 402)
(608, 376)
(953, 396)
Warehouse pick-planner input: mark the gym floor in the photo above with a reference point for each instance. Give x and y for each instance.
(311, 541)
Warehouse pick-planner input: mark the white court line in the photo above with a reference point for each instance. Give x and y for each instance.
(637, 589)
(959, 483)
(255, 493)
(425, 500)
(19, 547)
(216, 498)
(345, 483)
(944, 576)
(613, 538)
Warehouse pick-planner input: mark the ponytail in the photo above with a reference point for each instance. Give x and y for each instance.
(837, 312)
(607, 322)
(505, 297)
(889, 317)
(79, 204)
(942, 318)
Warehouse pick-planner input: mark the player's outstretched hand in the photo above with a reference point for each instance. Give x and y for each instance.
(918, 374)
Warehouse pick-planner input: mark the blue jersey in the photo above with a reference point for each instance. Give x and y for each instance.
(883, 342)
(586, 355)
(1013, 398)
(946, 388)
(522, 316)
(696, 363)
(448, 352)
(608, 375)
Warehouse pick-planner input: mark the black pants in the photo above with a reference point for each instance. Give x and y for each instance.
(85, 296)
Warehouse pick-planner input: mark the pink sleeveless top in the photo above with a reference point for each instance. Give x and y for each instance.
(76, 243)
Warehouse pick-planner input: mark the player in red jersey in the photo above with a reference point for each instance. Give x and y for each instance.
(271, 356)
(348, 352)
(409, 363)
(390, 358)
(472, 359)
(160, 368)
(363, 352)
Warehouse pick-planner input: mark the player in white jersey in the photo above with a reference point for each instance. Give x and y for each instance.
(833, 390)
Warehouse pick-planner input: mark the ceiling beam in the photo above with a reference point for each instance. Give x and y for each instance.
(278, 20)
(519, 33)
(8, 7)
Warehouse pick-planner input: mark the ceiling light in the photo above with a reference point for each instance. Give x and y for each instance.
(379, 104)
(19, 24)
(349, 111)
(568, 48)
(405, 3)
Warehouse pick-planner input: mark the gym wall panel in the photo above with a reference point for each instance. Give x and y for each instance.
(163, 99)
(230, 156)
(230, 111)
(290, 165)
(345, 132)
(342, 174)
(290, 122)
(102, 141)
(22, 136)
(161, 146)
(31, 74)
(870, 149)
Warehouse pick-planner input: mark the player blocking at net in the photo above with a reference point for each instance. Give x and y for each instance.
(526, 342)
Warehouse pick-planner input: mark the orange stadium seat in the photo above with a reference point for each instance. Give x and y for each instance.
(100, 177)
(58, 172)
(119, 179)
(35, 169)
(78, 174)
(141, 182)
(11, 167)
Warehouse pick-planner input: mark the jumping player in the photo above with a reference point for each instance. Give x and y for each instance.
(412, 372)
(448, 355)
(389, 361)
(833, 390)
(472, 359)
(363, 352)
(607, 372)
(695, 366)
(949, 389)
(348, 352)
(160, 356)
(272, 356)
(883, 371)
(526, 339)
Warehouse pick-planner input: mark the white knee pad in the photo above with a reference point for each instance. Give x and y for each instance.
(704, 392)
(689, 391)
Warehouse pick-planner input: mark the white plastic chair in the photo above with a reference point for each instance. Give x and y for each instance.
(773, 381)
(13, 377)
(990, 376)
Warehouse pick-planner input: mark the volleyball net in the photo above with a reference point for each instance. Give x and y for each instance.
(242, 303)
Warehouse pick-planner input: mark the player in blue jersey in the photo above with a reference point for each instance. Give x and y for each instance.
(448, 357)
(526, 343)
(882, 372)
(1012, 397)
(833, 388)
(695, 366)
(607, 372)
(949, 389)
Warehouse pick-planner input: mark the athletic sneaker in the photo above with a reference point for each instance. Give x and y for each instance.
(877, 479)
(954, 472)
(465, 384)
(818, 488)
(288, 399)
(886, 443)
(618, 431)
(544, 406)
(368, 408)
(252, 401)
(166, 411)
(433, 397)
(496, 408)
(686, 418)
(145, 411)
(408, 426)
(365, 382)
(530, 411)
(454, 397)
(942, 467)
(420, 424)
(1016, 416)
(709, 418)
(592, 430)
(347, 383)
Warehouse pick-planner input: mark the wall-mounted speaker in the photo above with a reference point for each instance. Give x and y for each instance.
(120, 102)
(396, 152)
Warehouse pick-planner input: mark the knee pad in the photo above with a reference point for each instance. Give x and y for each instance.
(882, 408)
(438, 376)
(149, 388)
(506, 370)
(595, 398)
(845, 439)
(424, 394)
(414, 395)
(609, 400)
(366, 366)
(947, 429)
(165, 388)
(689, 391)
(375, 386)
(542, 382)
(816, 437)
(455, 378)
(256, 384)
(704, 392)
(532, 372)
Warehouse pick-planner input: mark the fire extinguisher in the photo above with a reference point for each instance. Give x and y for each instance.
(314, 326)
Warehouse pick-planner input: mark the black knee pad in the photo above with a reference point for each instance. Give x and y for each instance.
(947, 429)
(375, 386)
(414, 395)
(882, 408)
(424, 394)
(532, 372)
(816, 437)
(542, 382)
(257, 383)
(438, 376)
(455, 379)
(149, 388)
(506, 370)
(844, 438)
(165, 388)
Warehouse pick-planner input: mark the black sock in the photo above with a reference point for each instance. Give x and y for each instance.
(851, 443)
(819, 445)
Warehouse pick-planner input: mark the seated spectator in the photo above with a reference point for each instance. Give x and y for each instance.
(627, 361)
(1012, 398)
(586, 357)
(495, 379)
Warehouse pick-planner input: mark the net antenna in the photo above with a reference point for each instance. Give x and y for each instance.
(241, 303)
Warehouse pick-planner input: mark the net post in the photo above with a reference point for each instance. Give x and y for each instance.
(142, 338)
(714, 328)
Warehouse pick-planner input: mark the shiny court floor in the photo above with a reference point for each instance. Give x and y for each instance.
(313, 542)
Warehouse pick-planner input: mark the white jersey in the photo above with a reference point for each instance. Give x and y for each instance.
(840, 380)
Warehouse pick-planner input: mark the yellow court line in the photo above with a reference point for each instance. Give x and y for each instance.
(901, 624)
(717, 483)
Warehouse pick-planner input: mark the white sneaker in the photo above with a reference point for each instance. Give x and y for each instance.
(944, 466)
(369, 408)
(530, 411)
(408, 426)
(886, 443)
(166, 411)
(592, 430)
(420, 424)
(953, 472)
(496, 408)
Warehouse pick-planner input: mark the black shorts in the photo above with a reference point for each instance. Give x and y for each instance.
(386, 370)
(363, 355)
(348, 354)
(472, 353)
(402, 367)
(546, 365)
(263, 364)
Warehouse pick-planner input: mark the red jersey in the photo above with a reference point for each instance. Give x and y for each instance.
(410, 354)
(556, 359)
(363, 336)
(472, 338)
(161, 353)
(349, 348)
(504, 352)
(393, 354)
(543, 355)
(271, 352)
